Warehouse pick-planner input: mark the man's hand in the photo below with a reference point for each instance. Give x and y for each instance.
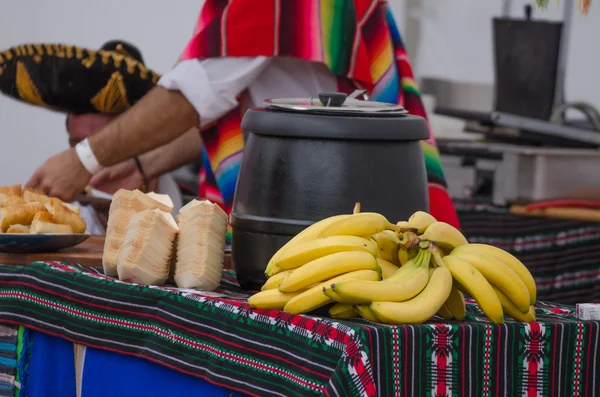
(124, 175)
(61, 176)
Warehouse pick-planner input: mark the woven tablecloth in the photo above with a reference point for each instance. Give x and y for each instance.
(220, 338)
(562, 255)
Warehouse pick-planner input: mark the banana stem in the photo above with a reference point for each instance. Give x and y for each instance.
(409, 240)
(395, 228)
(425, 257)
(435, 253)
(406, 229)
(356, 209)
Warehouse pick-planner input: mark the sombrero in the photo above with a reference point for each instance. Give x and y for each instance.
(76, 80)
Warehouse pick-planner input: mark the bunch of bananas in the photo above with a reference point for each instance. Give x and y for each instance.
(395, 274)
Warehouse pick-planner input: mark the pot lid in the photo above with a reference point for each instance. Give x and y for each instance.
(335, 116)
(337, 103)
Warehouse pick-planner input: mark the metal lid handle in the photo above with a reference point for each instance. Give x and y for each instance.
(335, 99)
(357, 93)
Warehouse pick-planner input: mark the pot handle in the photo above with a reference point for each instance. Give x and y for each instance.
(358, 93)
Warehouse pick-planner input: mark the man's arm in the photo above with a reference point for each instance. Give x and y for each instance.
(158, 118)
(183, 150)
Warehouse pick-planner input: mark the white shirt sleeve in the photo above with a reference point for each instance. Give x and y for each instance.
(212, 85)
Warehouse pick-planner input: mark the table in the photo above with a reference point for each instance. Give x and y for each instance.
(219, 338)
(88, 253)
(563, 255)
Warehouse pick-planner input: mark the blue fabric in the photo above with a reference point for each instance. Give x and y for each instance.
(50, 366)
(49, 370)
(116, 375)
(6, 389)
(10, 347)
(9, 362)
(8, 358)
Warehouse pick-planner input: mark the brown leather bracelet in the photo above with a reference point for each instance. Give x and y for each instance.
(138, 164)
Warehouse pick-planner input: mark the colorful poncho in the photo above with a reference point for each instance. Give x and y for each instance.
(356, 39)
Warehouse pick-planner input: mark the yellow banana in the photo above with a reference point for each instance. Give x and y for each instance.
(499, 275)
(356, 292)
(456, 304)
(271, 299)
(387, 246)
(421, 220)
(342, 310)
(477, 286)
(403, 285)
(326, 267)
(405, 226)
(274, 270)
(446, 236)
(309, 233)
(333, 296)
(387, 268)
(361, 224)
(511, 310)
(366, 313)
(275, 280)
(403, 255)
(307, 251)
(445, 313)
(411, 265)
(313, 298)
(420, 308)
(509, 260)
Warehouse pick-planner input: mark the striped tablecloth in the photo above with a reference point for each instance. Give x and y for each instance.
(218, 337)
(562, 255)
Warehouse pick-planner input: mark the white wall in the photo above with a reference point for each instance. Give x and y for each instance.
(30, 134)
(456, 43)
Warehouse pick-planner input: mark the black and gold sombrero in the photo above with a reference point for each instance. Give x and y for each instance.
(76, 80)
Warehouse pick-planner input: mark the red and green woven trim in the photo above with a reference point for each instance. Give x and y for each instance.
(218, 337)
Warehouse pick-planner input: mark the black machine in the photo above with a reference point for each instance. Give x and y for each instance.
(529, 88)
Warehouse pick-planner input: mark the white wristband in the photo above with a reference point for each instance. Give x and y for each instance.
(87, 157)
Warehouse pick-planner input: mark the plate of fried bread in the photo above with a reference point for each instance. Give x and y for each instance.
(31, 221)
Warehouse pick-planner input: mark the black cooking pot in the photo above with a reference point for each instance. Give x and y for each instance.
(308, 159)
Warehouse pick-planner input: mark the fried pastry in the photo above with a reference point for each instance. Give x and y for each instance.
(43, 216)
(35, 196)
(38, 227)
(19, 215)
(45, 223)
(65, 216)
(14, 190)
(18, 229)
(72, 207)
(9, 200)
